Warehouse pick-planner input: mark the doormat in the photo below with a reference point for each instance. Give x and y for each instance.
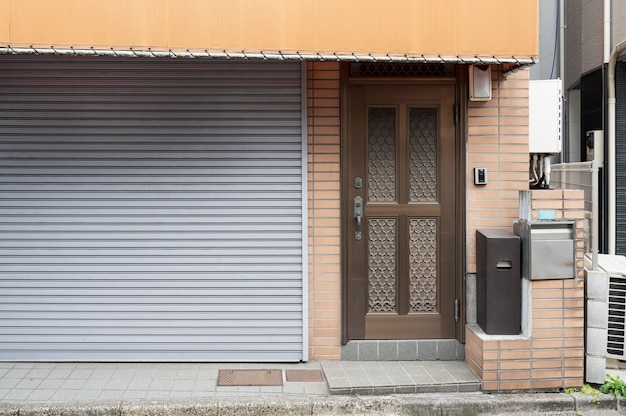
(307, 376)
(250, 378)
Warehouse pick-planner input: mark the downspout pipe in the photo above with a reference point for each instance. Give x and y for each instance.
(565, 156)
(611, 210)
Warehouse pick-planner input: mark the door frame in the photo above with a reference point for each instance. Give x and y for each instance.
(460, 80)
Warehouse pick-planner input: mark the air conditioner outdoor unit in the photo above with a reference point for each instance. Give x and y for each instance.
(615, 268)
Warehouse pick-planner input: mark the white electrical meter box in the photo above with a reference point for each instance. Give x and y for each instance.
(544, 118)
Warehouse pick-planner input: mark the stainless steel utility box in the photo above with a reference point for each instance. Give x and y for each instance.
(498, 283)
(548, 249)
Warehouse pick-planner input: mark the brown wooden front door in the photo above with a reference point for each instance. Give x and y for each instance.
(400, 250)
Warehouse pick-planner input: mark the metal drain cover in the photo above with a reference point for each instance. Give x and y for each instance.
(307, 376)
(250, 378)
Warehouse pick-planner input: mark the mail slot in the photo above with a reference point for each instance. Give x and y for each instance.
(548, 249)
(498, 283)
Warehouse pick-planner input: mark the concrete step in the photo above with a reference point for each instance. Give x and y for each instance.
(399, 377)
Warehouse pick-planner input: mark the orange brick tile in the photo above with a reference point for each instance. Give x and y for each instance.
(573, 194)
(490, 346)
(574, 343)
(515, 365)
(578, 303)
(574, 363)
(490, 366)
(515, 355)
(547, 333)
(490, 375)
(514, 345)
(574, 372)
(515, 385)
(547, 284)
(538, 354)
(573, 382)
(547, 364)
(574, 353)
(540, 304)
(547, 374)
(490, 386)
(549, 344)
(546, 384)
(514, 375)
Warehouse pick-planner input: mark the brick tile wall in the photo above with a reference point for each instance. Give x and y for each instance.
(497, 140)
(552, 357)
(324, 210)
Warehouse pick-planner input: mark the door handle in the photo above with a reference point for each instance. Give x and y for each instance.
(358, 215)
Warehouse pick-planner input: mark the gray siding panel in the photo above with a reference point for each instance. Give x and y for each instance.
(150, 210)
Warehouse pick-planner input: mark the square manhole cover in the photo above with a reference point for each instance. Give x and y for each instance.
(250, 378)
(307, 376)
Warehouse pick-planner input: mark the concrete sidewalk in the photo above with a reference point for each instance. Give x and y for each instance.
(141, 389)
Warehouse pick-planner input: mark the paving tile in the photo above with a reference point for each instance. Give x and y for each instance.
(60, 373)
(202, 394)
(9, 383)
(134, 395)
(117, 383)
(181, 385)
(39, 372)
(187, 374)
(126, 373)
(350, 351)
(82, 373)
(64, 395)
(17, 395)
(162, 384)
(315, 389)
(294, 388)
(407, 350)
(73, 384)
(180, 394)
(368, 350)
(446, 350)
(388, 350)
(427, 350)
(40, 395)
(271, 389)
(139, 384)
(103, 373)
(157, 394)
(17, 372)
(87, 395)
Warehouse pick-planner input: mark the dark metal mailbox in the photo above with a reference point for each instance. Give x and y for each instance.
(498, 283)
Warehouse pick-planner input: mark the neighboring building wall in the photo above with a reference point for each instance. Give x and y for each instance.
(551, 356)
(497, 140)
(324, 211)
(593, 35)
(547, 66)
(573, 41)
(618, 23)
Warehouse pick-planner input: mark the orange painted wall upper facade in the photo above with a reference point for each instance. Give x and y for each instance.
(450, 28)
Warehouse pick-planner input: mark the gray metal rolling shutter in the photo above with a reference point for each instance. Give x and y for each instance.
(150, 210)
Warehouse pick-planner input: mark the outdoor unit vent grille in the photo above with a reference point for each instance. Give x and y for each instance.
(617, 317)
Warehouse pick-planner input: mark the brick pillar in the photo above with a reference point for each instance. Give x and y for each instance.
(324, 113)
(550, 356)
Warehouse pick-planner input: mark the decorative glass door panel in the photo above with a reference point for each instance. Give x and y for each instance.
(400, 256)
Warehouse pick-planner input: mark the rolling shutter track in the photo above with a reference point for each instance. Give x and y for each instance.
(150, 210)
